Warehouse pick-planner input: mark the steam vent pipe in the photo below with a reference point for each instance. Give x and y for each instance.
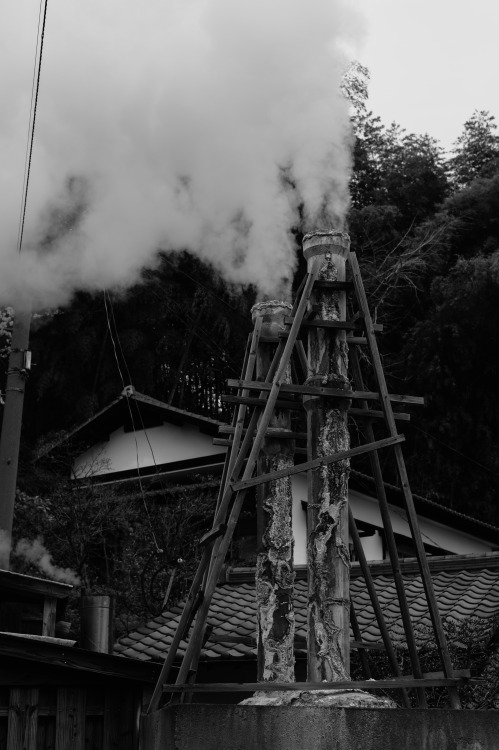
(327, 515)
(274, 572)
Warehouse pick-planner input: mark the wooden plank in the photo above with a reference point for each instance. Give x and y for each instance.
(215, 561)
(49, 616)
(269, 687)
(87, 662)
(392, 551)
(263, 423)
(309, 390)
(356, 340)
(299, 642)
(404, 481)
(70, 719)
(338, 286)
(121, 716)
(344, 325)
(373, 595)
(272, 432)
(261, 402)
(318, 462)
(23, 719)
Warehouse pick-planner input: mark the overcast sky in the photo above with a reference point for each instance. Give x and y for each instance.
(432, 62)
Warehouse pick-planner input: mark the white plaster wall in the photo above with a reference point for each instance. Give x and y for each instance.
(157, 445)
(366, 509)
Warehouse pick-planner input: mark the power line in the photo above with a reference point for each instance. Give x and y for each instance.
(142, 492)
(454, 450)
(129, 376)
(32, 120)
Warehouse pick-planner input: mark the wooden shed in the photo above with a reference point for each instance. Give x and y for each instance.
(54, 695)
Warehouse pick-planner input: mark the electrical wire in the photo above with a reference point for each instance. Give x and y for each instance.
(142, 492)
(454, 450)
(35, 89)
(129, 377)
(198, 283)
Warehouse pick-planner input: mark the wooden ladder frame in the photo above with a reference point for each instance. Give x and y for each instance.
(244, 444)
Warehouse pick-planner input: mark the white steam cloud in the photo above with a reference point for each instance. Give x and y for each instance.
(36, 553)
(170, 124)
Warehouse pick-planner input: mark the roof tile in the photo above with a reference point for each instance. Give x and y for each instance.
(460, 594)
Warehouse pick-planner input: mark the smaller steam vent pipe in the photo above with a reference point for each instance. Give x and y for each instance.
(96, 623)
(274, 569)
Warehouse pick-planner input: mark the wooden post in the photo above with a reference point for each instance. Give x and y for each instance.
(274, 569)
(70, 718)
(327, 516)
(23, 718)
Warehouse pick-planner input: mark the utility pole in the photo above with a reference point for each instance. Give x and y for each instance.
(17, 373)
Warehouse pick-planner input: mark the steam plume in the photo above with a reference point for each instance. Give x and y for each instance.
(170, 124)
(36, 553)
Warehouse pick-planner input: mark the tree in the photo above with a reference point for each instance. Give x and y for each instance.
(86, 353)
(476, 151)
(136, 543)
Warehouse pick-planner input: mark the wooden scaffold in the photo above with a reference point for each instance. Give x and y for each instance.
(280, 376)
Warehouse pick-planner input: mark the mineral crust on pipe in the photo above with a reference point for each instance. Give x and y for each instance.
(327, 516)
(274, 572)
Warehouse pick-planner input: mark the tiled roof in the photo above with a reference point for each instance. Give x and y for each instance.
(460, 594)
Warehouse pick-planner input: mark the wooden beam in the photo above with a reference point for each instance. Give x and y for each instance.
(404, 481)
(338, 286)
(342, 325)
(49, 616)
(309, 390)
(250, 401)
(271, 432)
(318, 462)
(375, 414)
(70, 719)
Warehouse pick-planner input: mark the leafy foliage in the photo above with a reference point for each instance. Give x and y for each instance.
(472, 646)
(116, 541)
(476, 151)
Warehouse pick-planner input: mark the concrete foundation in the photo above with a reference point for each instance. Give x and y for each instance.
(228, 727)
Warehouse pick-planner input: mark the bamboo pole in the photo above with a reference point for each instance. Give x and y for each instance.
(440, 638)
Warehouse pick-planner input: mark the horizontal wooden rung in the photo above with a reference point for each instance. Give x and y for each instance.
(299, 643)
(338, 286)
(375, 414)
(272, 432)
(249, 401)
(344, 325)
(310, 390)
(318, 462)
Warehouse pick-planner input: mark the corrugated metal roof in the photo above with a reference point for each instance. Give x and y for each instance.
(460, 595)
